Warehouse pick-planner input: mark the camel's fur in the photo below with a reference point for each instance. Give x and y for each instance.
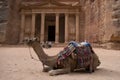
(66, 66)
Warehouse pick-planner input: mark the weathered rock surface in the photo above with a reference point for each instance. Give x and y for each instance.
(3, 19)
(100, 21)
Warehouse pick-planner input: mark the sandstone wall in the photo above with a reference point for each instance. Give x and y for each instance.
(82, 25)
(116, 21)
(13, 28)
(102, 22)
(3, 19)
(92, 19)
(114, 32)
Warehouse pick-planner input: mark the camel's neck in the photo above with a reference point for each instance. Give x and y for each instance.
(44, 58)
(39, 50)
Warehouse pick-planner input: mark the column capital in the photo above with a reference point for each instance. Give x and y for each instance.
(66, 14)
(57, 13)
(43, 13)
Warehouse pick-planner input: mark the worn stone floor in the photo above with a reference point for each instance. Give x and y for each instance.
(16, 64)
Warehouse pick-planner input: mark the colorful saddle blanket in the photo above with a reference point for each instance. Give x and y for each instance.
(83, 52)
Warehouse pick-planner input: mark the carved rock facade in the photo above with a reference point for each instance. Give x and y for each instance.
(99, 21)
(103, 22)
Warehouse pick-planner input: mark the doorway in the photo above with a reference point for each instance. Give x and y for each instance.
(51, 33)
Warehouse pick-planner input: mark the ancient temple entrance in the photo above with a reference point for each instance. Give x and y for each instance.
(50, 27)
(50, 21)
(51, 33)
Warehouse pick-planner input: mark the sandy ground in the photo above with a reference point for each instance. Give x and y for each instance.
(16, 64)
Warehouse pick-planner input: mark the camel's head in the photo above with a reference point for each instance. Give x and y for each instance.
(29, 40)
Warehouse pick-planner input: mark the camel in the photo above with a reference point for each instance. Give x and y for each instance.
(55, 66)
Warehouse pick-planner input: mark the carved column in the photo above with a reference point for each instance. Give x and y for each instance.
(42, 27)
(66, 28)
(57, 29)
(33, 26)
(22, 27)
(77, 27)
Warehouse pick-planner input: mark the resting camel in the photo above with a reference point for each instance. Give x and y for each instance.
(55, 66)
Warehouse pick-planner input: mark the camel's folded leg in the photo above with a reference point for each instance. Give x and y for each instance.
(46, 68)
(59, 71)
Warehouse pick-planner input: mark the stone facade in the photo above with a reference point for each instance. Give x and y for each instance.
(99, 21)
(59, 22)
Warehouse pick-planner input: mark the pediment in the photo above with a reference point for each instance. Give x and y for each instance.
(52, 3)
(49, 5)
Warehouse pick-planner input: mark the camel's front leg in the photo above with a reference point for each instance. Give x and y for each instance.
(46, 68)
(59, 71)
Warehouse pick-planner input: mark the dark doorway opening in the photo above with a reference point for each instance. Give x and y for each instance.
(51, 33)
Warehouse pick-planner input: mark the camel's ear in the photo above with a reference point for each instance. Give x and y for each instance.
(28, 40)
(33, 39)
(37, 39)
